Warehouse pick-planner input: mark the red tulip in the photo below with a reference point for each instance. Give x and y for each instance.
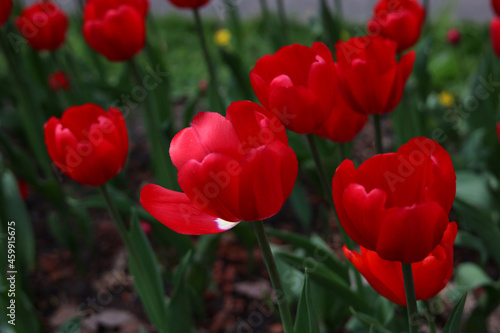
(397, 204)
(295, 84)
(343, 124)
(189, 3)
(495, 35)
(498, 131)
(146, 227)
(88, 144)
(58, 81)
(453, 36)
(230, 169)
(6, 6)
(399, 20)
(24, 189)
(371, 80)
(43, 25)
(114, 28)
(430, 275)
(103, 6)
(495, 4)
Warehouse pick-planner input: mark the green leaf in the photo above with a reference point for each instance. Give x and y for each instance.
(370, 322)
(307, 320)
(178, 306)
(470, 276)
(465, 239)
(480, 222)
(454, 322)
(315, 248)
(325, 277)
(469, 182)
(14, 209)
(147, 277)
(301, 206)
(72, 325)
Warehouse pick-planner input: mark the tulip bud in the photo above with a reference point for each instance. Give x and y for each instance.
(88, 144)
(453, 36)
(189, 3)
(43, 25)
(6, 6)
(115, 29)
(58, 81)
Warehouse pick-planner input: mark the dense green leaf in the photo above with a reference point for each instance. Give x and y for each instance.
(324, 276)
(306, 320)
(14, 209)
(455, 321)
(147, 278)
(315, 248)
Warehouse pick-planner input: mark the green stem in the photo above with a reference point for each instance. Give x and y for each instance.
(267, 254)
(342, 151)
(124, 234)
(283, 19)
(161, 161)
(429, 317)
(30, 114)
(120, 225)
(339, 11)
(214, 82)
(265, 10)
(327, 189)
(321, 169)
(378, 133)
(411, 299)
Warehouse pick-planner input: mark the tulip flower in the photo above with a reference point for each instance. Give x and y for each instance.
(397, 204)
(141, 5)
(295, 84)
(370, 79)
(430, 275)
(6, 6)
(115, 29)
(344, 123)
(400, 20)
(58, 81)
(495, 35)
(495, 4)
(24, 189)
(88, 144)
(230, 169)
(43, 25)
(189, 3)
(453, 36)
(498, 131)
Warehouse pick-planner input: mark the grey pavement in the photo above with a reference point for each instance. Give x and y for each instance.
(355, 10)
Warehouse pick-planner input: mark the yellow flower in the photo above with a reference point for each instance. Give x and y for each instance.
(344, 35)
(446, 99)
(222, 37)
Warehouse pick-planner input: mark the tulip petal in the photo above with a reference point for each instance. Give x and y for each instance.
(294, 106)
(266, 181)
(366, 211)
(78, 119)
(384, 276)
(433, 273)
(177, 212)
(213, 185)
(409, 234)
(254, 125)
(209, 133)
